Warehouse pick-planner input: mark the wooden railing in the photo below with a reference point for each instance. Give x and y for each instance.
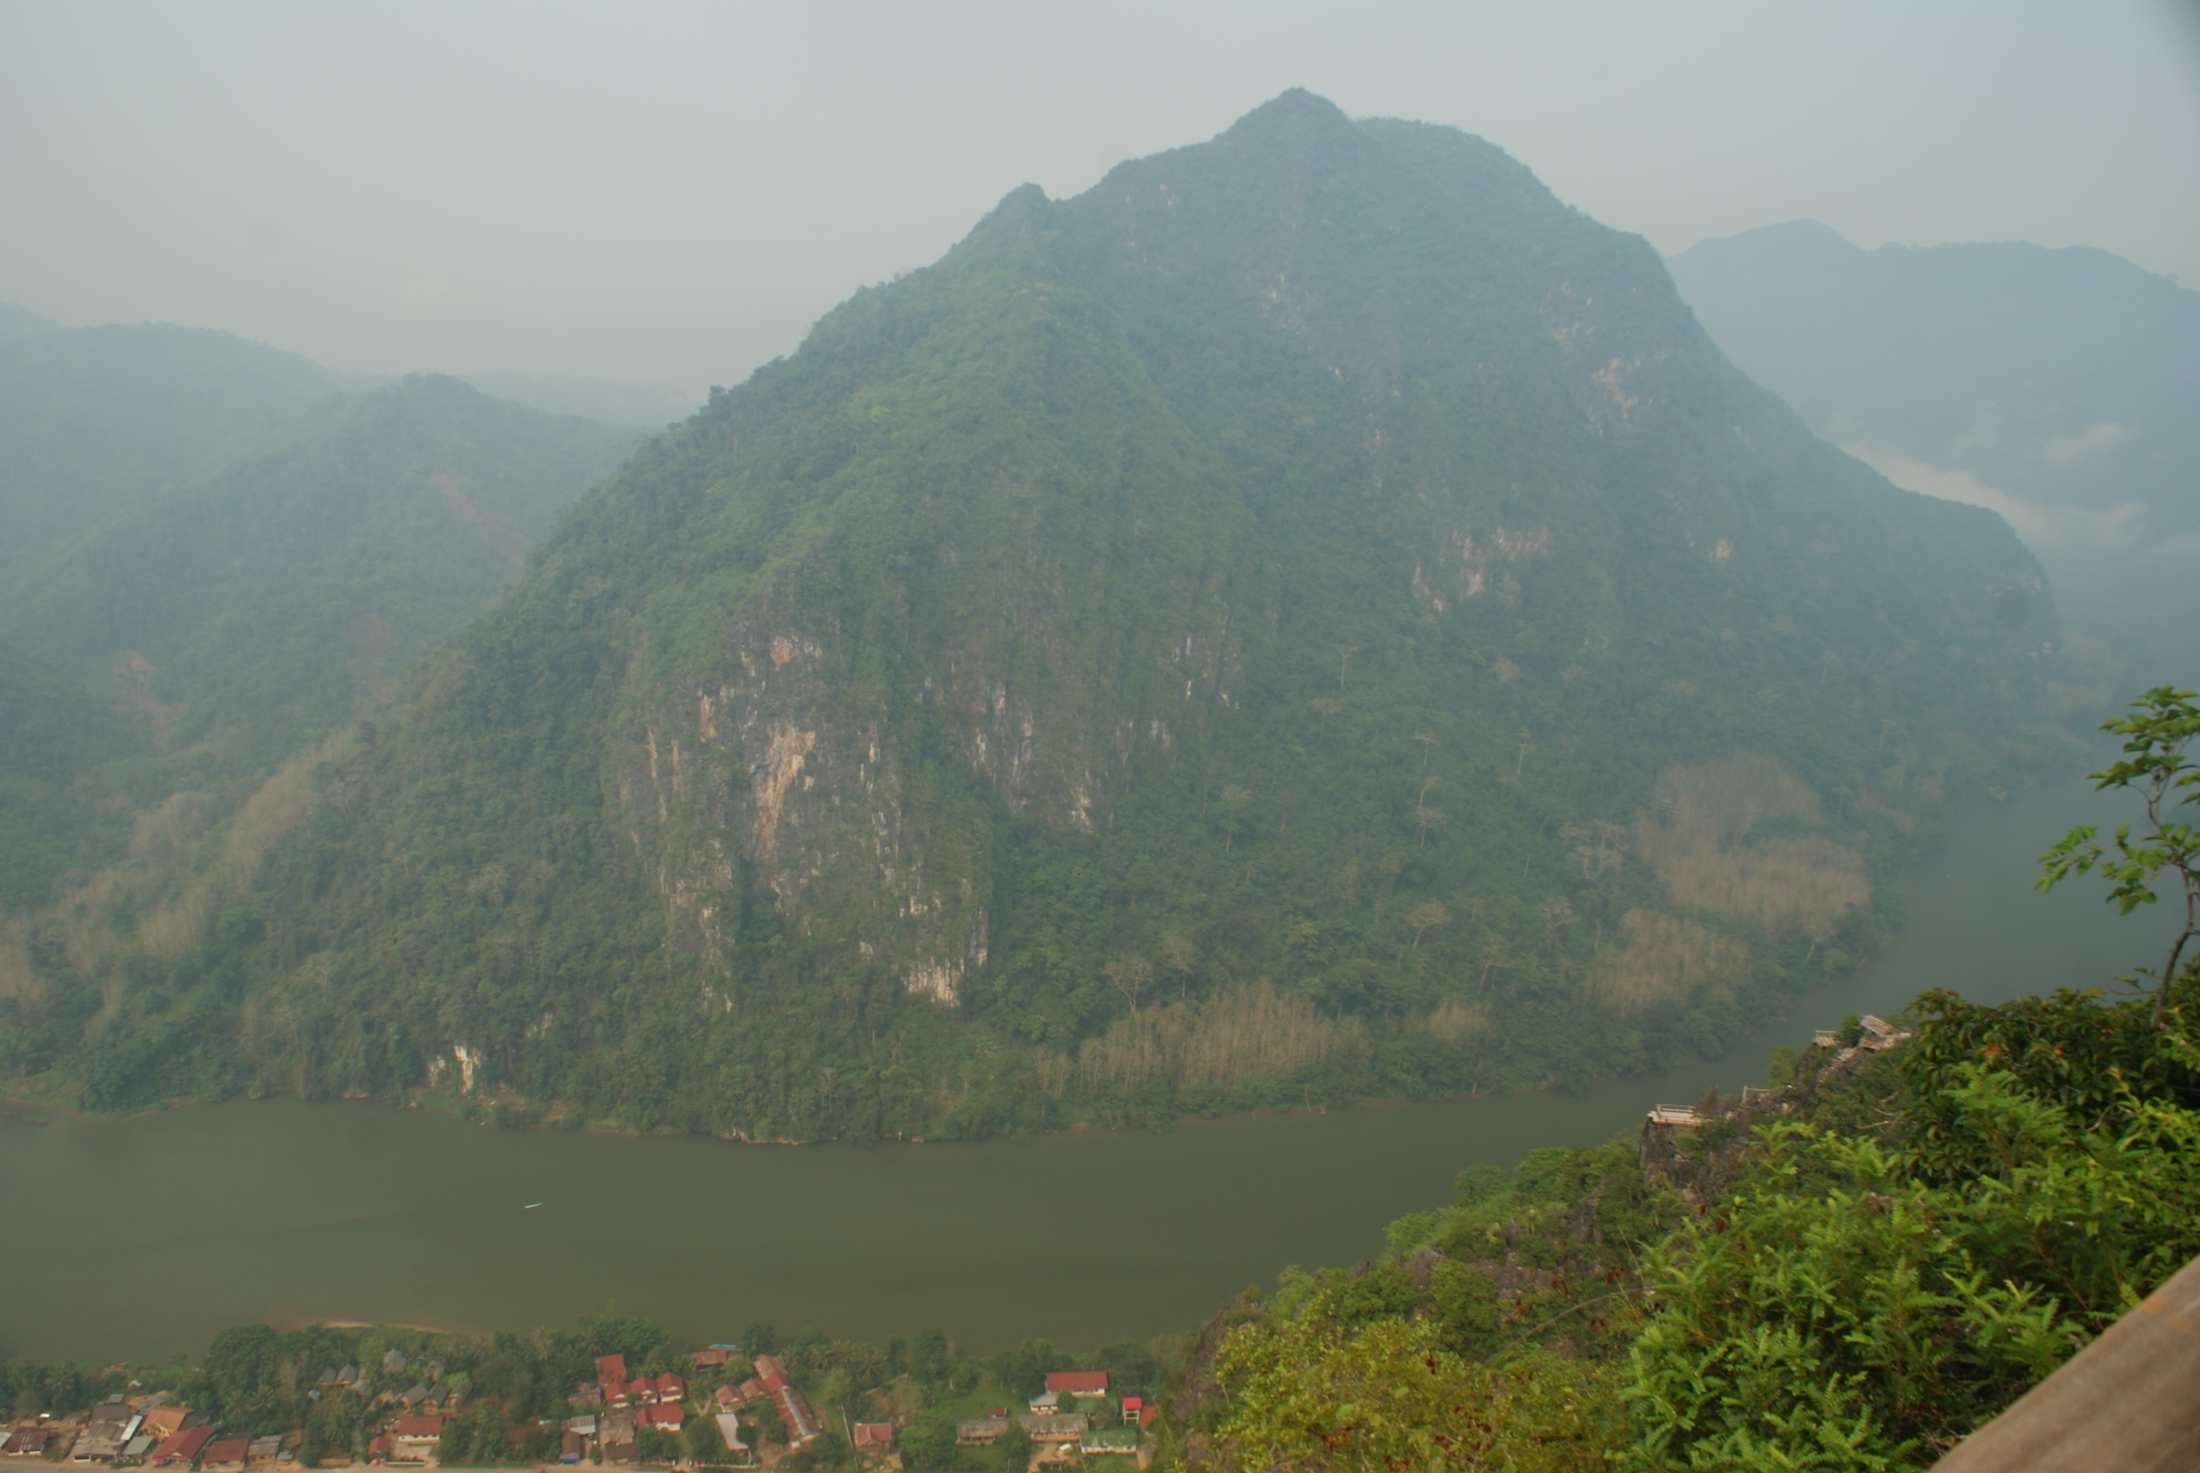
(2130, 1401)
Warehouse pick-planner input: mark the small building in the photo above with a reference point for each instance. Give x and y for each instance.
(1878, 1033)
(619, 1452)
(581, 1426)
(671, 1387)
(166, 1420)
(570, 1446)
(378, 1448)
(729, 1429)
(415, 1439)
(100, 1442)
(713, 1359)
(1046, 1403)
(611, 1379)
(1078, 1385)
(642, 1391)
(227, 1455)
(136, 1448)
(26, 1442)
(182, 1447)
(872, 1437)
(1060, 1428)
(1134, 1411)
(980, 1431)
(665, 1417)
(1107, 1440)
(266, 1449)
(728, 1398)
(753, 1390)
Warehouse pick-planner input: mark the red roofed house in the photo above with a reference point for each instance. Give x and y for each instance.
(1134, 1410)
(665, 1417)
(671, 1388)
(753, 1390)
(708, 1360)
(415, 1439)
(727, 1399)
(794, 1411)
(230, 1452)
(642, 1391)
(379, 1449)
(166, 1420)
(182, 1447)
(611, 1379)
(873, 1437)
(1084, 1385)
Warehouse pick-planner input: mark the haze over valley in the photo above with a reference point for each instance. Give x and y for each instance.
(1296, 674)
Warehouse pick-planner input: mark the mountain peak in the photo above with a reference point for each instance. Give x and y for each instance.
(1296, 114)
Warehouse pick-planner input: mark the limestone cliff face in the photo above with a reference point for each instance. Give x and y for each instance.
(775, 785)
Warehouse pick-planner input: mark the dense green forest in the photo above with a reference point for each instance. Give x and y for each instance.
(1310, 617)
(1872, 1259)
(171, 676)
(2052, 385)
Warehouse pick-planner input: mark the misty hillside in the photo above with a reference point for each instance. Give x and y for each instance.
(2054, 385)
(171, 681)
(96, 421)
(22, 322)
(648, 406)
(2063, 376)
(1168, 654)
(286, 594)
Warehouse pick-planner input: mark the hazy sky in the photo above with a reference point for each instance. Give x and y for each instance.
(675, 191)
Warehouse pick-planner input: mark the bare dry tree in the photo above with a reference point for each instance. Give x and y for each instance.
(1424, 915)
(1425, 817)
(1129, 975)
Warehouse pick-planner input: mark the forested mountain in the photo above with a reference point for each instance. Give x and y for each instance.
(2053, 385)
(22, 322)
(170, 681)
(97, 421)
(614, 401)
(1312, 615)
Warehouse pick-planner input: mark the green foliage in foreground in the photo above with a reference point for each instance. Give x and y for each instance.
(1936, 1234)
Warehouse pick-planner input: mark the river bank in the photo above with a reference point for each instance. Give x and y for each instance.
(155, 1231)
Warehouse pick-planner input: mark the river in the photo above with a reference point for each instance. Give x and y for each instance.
(143, 1237)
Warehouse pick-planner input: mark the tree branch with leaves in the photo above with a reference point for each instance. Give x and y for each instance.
(2161, 724)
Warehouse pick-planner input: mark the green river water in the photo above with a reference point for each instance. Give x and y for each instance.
(144, 1236)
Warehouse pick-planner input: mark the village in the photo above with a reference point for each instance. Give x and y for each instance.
(730, 1410)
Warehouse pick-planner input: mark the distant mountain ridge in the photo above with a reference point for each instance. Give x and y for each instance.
(2052, 385)
(2062, 374)
(177, 666)
(1311, 616)
(98, 421)
(22, 322)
